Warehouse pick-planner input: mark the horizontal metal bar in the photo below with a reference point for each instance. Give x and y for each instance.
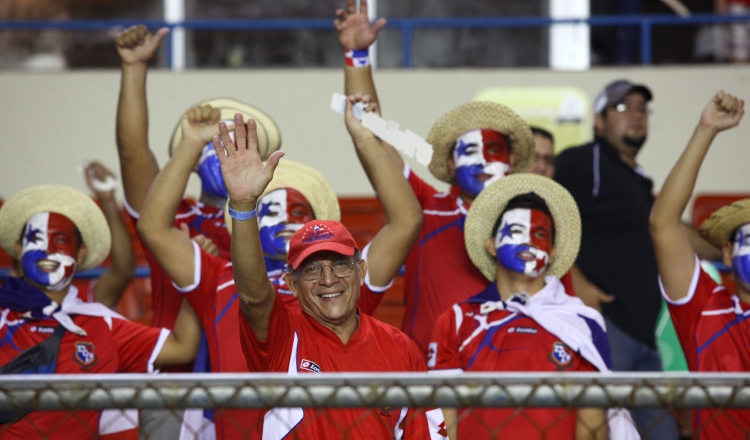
(394, 23)
(629, 390)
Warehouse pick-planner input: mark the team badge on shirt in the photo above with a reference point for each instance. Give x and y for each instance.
(84, 355)
(561, 355)
(309, 366)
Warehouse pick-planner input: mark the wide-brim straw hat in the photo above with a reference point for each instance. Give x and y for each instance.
(61, 199)
(310, 183)
(488, 205)
(720, 225)
(269, 137)
(479, 115)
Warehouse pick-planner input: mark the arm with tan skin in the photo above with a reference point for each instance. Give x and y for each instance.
(172, 248)
(591, 424)
(246, 177)
(702, 247)
(357, 33)
(589, 293)
(110, 287)
(450, 416)
(138, 166)
(182, 343)
(392, 244)
(674, 253)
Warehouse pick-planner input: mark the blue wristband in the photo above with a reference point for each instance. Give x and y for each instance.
(242, 215)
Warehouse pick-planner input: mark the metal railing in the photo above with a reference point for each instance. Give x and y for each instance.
(406, 25)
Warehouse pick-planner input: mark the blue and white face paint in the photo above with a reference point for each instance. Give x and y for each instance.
(524, 241)
(209, 170)
(481, 157)
(48, 249)
(741, 254)
(280, 214)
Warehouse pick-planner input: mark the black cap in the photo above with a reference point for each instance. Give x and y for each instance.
(614, 92)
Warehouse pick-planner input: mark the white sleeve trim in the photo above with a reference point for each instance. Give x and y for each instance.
(130, 209)
(375, 289)
(448, 372)
(691, 289)
(196, 271)
(407, 171)
(157, 349)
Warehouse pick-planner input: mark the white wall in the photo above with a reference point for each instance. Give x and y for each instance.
(51, 122)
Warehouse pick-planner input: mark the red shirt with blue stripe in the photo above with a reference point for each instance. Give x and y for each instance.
(713, 327)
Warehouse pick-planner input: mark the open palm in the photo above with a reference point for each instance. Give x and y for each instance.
(354, 29)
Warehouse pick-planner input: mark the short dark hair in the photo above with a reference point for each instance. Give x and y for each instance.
(538, 131)
(529, 200)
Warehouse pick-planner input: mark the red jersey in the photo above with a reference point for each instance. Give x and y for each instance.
(122, 347)
(201, 219)
(713, 327)
(298, 344)
(213, 295)
(473, 337)
(439, 272)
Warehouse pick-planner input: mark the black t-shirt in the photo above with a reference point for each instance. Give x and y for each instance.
(616, 254)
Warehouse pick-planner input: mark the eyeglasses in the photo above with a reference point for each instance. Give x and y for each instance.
(624, 108)
(340, 269)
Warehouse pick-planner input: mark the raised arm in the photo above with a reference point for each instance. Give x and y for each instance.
(394, 241)
(674, 252)
(172, 248)
(182, 343)
(138, 167)
(246, 177)
(110, 287)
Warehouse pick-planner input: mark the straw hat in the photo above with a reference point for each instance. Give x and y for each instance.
(488, 205)
(310, 183)
(479, 115)
(720, 225)
(269, 137)
(61, 199)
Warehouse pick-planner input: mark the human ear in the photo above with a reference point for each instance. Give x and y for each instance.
(289, 280)
(83, 251)
(362, 270)
(726, 252)
(489, 246)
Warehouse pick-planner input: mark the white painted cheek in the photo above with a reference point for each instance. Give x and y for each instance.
(531, 266)
(38, 222)
(497, 170)
(475, 157)
(277, 201)
(57, 279)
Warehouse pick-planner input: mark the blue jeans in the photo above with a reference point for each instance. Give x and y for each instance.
(630, 354)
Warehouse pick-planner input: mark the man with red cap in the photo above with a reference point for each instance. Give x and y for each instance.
(326, 333)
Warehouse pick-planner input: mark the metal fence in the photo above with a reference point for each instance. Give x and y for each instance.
(406, 25)
(470, 391)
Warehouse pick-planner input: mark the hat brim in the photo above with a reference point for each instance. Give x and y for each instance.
(491, 202)
(269, 136)
(720, 225)
(479, 115)
(61, 199)
(325, 246)
(310, 183)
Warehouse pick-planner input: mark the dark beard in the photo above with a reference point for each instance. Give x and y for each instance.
(635, 142)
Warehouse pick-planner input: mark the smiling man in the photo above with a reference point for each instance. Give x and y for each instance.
(326, 333)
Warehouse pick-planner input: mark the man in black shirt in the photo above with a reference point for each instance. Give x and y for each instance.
(616, 268)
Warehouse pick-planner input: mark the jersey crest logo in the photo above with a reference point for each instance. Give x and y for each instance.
(561, 356)
(309, 366)
(84, 354)
(386, 410)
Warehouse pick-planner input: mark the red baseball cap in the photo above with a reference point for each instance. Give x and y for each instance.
(317, 236)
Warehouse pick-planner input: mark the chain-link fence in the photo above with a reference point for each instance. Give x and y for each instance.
(235, 405)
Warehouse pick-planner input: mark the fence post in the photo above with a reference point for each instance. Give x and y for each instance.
(645, 41)
(406, 43)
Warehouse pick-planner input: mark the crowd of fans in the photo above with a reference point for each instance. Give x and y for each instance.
(527, 263)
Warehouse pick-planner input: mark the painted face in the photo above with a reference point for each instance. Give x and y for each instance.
(741, 254)
(49, 248)
(481, 157)
(280, 214)
(209, 169)
(524, 241)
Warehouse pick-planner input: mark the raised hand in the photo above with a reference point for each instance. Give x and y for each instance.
(354, 125)
(245, 175)
(723, 111)
(201, 240)
(100, 180)
(354, 29)
(137, 45)
(200, 124)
